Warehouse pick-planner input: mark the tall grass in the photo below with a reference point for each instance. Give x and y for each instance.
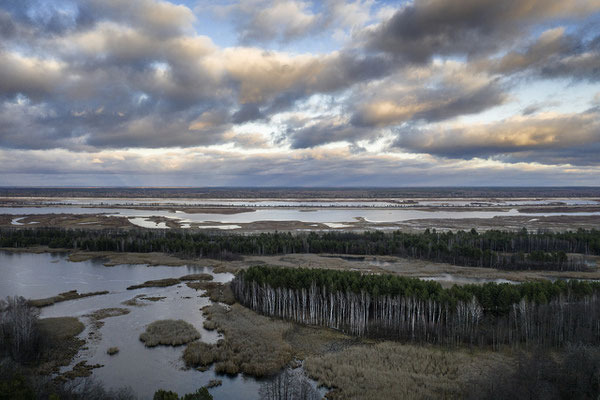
(169, 332)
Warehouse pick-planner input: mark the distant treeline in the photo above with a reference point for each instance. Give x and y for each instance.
(491, 249)
(305, 193)
(541, 313)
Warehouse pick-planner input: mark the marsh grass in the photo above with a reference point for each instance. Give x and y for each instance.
(354, 368)
(156, 283)
(60, 328)
(70, 295)
(216, 292)
(394, 370)
(62, 343)
(104, 313)
(81, 370)
(253, 344)
(169, 332)
(209, 325)
(197, 277)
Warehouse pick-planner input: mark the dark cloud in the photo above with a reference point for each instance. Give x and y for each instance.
(425, 28)
(458, 93)
(343, 169)
(327, 130)
(247, 113)
(7, 27)
(554, 54)
(533, 139)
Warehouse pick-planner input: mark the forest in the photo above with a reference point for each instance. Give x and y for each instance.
(386, 306)
(522, 250)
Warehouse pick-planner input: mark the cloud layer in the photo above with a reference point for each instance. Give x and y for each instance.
(276, 88)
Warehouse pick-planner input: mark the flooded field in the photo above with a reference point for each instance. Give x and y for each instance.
(333, 218)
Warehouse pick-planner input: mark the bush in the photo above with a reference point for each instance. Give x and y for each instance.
(161, 394)
(200, 394)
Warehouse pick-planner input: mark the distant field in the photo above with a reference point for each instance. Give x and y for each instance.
(306, 193)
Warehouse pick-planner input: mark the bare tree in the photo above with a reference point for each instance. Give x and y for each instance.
(19, 329)
(288, 385)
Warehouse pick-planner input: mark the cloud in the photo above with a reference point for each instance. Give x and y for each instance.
(265, 21)
(144, 79)
(304, 168)
(31, 76)
(154, 17)
(531, 138)
(425, 28)
(312, 133)
(554, 54)
(455, 90)
(283, 21)
(246, 113)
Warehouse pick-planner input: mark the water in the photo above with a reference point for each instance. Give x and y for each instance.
(144, 370)
(321, 215)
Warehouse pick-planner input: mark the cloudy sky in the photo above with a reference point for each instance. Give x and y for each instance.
(299, 93)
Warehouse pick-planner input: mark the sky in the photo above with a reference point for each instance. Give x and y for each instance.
(300, 93)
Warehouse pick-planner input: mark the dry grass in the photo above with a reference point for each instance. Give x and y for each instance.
(357, 369)
(197, 277)
(112, 351)
(209, 325)
(202, 285)
(60, 328)
(253, 344)
(80, 370)
(217, 292)
(98, 316)
(108, 313)
(200, 354)
(169, 332)
(395, 371)
(115, 258)
(63, 344)
(214, 383)
(135, 302)
(70, 295)
(156, 283)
